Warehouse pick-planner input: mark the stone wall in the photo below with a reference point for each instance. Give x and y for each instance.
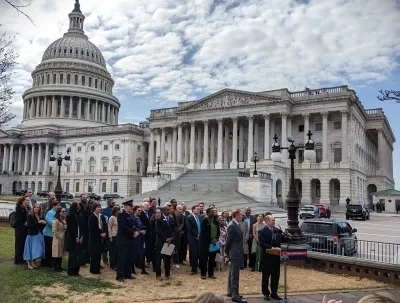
(256, 188)
(153, 183)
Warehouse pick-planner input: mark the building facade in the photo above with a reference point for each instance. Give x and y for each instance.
(71, 107)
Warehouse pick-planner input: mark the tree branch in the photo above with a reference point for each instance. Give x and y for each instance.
(389, 95)
(18, 7)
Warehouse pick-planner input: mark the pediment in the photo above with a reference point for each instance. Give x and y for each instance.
(228, 98)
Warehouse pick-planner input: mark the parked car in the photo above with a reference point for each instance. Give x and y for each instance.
(44, 205)
(43, 193)
(322, 210)
(330, 236)
(19, 192)
(308, 212)
(93, 196)
(111, 196)
(357, 211)
(66, 195)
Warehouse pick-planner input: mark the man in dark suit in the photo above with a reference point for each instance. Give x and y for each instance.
(234, 251)
(270, 237)
(125, 242)
(193, 227)
(165, 230)
(29, 193)
(145, 218)
(250, 221)
(184, 243)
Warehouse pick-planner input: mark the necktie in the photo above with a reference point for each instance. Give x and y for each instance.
(198, 224)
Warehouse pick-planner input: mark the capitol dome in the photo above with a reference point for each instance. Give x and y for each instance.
(71, 85)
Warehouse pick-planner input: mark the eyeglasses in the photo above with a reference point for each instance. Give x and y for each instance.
(63, 211)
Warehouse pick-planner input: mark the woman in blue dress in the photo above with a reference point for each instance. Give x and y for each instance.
(34, 244)
(138, 248)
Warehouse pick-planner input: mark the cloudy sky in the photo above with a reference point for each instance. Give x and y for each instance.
(164, 51)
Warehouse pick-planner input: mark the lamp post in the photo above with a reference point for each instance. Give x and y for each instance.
(58, 162)
(293, 199)
(158, 165)
(255, 159)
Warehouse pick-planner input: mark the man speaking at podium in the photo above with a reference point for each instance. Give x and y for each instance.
(269, 238)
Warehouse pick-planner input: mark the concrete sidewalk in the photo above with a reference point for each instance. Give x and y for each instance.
(347, 297)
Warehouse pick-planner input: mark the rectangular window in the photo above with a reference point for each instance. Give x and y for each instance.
(138, 148)
(95, 83)
(318, 154)
(54, 79)
(301, 156)
(105, 147)
(301, 128)
(90, 81)
(337, 155)
(104, 167)
(337, 125)
(61, 78)
(68, 79)
(116, 165)
(77, 187)
(67, 186)
(318, 127)
(138, 167)
(78, 167)
(76, 80)
(137, 188)
(83, 80)
(79, 148)
(68, 169)
(104, 187)
(318, 189)
(115, 185)
(116, 146)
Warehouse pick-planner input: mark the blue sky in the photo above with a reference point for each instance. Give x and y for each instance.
(160, 52)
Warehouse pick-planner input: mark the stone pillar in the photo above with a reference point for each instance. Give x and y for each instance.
(241, 141)
(219, 164)
(87, 113)
(324, 137)
(31, 108)
(187, 145)
(5, 166)
(54, 107)
(226, 147)
(37, 107)
(80, 107)
(198, 147)
(70, 106)
(19, 169)
(45, 106)
(162, 145)
(103, 117)
(158, 147)
(256, 141)
(212, 146)
(32, 159)
(306, 117)
(180, 144)
(284, 137)
(174, 145)
(234, 163)
(62, 110)
(191, 164)
(11, 158)
(204, 165)
(345, 142)
(250, 141)
(96, 113)
(26, 155)
(47, 159)
(151, 152)
(267, 145)
(39, 163)
(381, 153)
(289, 125)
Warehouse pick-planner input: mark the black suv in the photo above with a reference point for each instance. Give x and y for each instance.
(357, 211)
(67, 195)
(330, 236)
(111, 196)
(93, 196)
(43, 193)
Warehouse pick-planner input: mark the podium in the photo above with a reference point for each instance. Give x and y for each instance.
(295, 254)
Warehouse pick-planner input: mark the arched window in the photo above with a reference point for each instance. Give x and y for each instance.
(90, 81)
(48, 78)
(68, 79)
(54, 78)
(104, 162)
(77, 51)
(65, 50)
(78, 165)
(42, 79)
(70, 51)
(95, 83)
(76, 80)
(62, 78)
(83, 80)
(101, 85)
(92, 164)
(117, 164)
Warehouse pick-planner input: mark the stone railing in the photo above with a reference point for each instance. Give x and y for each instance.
(334, 165)
(154, 175)
(321, 91)
(244, 174)
(164, 112)
(376, 112)
(264, 175)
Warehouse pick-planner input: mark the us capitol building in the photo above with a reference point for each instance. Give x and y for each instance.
(71, 106)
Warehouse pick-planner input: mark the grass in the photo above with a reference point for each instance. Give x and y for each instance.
(19, 284)
(9, 198)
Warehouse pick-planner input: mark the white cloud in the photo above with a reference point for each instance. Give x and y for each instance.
(175, 50)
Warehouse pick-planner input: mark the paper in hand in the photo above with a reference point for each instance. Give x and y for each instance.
(167, 249)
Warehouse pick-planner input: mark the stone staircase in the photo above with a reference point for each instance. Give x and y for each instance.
(209, 186)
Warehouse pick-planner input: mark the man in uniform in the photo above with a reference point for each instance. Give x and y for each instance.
(125, 242)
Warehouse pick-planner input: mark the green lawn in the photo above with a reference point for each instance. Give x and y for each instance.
(9, 198)
(16, 281)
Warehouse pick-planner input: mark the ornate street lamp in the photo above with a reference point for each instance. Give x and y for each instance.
(255, 159)
(58, 162)
(158, 165)
(293, 199)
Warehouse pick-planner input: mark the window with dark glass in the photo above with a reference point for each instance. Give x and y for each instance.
(61, 78)
(301, 128)
(68, 79)
(76, 79)
(83, 80)
(337, 155)
(318, 154)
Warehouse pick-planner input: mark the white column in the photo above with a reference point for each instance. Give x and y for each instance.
(19, 168)
(174, 145)
(187, 145)
(324, 137)
(345, 142)
(256, 138)
(5, 157)
(31, 108)
(103, 116)
(26, 156)
(162, 145)
(289, 125)
(306, 117)
(11, 157)
(87, 109)
(250, 141)
(45, 106)
(219, 164)
(198, 147)
(32, 159)
(37, 107)
(53, 107)
(70, 106)
(381, 154)
(267, 146)
(241, 141)
(226, 147)
(284, 138)
(62, 111)
(234, 164)
(96, 113)
(180, 144)
(151, 152)
(212, 147)
(39, 163)
(46, 159)
(204, 165)
(80, 108)
(192, 144)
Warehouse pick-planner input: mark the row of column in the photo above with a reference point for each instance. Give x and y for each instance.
(252, 143)
(25, 152)
(56, 106)
(385, 153)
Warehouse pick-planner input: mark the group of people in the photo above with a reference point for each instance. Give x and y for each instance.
(135, 237)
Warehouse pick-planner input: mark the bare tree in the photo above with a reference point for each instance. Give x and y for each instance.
(18, 6)
(7, 61)
(390, 95)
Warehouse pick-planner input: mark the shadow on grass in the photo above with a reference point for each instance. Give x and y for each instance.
(16, 283)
